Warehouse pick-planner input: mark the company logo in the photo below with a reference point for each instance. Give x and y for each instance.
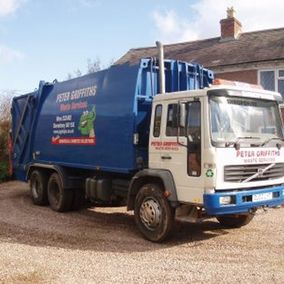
(258, 156)
(261, 172)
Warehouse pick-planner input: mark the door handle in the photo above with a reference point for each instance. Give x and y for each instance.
(166, 157)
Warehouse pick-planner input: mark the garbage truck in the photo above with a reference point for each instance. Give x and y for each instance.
(161, 137)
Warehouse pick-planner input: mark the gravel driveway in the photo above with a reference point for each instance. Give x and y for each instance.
(102, 245)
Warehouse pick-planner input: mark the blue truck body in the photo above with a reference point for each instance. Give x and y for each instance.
(91, 122)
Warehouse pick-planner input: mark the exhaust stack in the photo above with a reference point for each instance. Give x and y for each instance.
(161, 66)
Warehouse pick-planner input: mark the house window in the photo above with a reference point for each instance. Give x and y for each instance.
(272, 80)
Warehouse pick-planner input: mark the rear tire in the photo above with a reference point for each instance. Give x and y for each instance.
(235, 221)
(153, 214)
(60, 199)
(38, 187)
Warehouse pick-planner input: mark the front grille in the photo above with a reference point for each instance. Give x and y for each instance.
(240, 173)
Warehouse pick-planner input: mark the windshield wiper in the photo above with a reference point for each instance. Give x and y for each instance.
(278, 145)
(236, 143)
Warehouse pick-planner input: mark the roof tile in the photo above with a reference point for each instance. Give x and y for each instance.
(249, 47)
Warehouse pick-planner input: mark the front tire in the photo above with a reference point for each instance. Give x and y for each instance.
(235, 221)
(60, 199)
(153, 214)
(38, 187)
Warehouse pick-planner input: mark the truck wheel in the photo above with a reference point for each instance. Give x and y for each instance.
(153, 214)
(235, 221)
(59, 198)
(38, 187)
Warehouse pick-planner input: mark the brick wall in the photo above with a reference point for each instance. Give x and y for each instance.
(230, 28)
(248, 76)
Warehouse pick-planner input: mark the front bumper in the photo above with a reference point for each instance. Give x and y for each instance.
(243, 200)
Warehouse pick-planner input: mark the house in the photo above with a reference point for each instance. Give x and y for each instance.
(252, 57)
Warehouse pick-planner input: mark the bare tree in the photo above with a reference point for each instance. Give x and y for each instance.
(75, 74)
(111, 62)
(69, 76)
(78, 73)
(5, 104)
(93, 65)
(5, 124)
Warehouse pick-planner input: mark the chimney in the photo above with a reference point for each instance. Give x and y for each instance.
(231, 28)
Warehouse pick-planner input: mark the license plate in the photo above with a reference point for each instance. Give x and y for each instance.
(262, 196)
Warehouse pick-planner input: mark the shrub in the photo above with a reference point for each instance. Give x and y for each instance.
(4, 132)
(4, 171)
(4, 154)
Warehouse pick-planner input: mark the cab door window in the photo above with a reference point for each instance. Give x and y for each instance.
(157, 121)
(172, 126)
(194, 138)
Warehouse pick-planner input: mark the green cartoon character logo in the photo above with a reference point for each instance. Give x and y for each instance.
(86, 123)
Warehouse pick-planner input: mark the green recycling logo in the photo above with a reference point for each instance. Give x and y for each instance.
(210, 173)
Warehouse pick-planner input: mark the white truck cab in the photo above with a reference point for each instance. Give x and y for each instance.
(214, 152)
(223, 146)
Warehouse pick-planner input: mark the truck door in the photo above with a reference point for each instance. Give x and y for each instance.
(180, 150)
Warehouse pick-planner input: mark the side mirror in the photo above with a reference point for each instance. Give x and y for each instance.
(182, 115)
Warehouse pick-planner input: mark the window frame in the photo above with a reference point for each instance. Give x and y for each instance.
(195, 142)
(276, 77)
(155, 120)
(174, 128)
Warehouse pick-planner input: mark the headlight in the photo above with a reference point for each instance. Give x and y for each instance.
(225, 200)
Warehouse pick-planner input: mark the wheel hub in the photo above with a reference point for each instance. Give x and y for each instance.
(150, 213)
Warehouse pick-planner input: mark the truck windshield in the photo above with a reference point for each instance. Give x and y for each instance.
(243, 119)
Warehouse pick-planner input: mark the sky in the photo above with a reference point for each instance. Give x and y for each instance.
(47, 39)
